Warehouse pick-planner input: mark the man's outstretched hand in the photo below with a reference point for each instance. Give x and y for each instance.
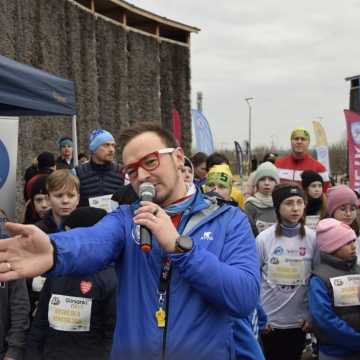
(28, 253)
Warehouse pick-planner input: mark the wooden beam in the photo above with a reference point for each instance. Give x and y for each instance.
(157, 30)
(93, 6)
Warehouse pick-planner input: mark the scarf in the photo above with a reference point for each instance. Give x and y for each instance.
(181, 205)
(261, 201)
(313, 206)
(290, 230)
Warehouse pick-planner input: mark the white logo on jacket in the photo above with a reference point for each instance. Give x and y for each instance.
(207, 236)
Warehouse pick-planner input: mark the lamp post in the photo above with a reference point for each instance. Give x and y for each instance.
(248, 101)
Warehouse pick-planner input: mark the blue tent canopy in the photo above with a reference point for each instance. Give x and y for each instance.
(25, 90)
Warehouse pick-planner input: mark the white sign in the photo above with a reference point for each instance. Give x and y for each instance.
(8, 159)
(311, 221)
(287, 270)
(346, 290)
(102, 202)
(69, 313)
(38, 283)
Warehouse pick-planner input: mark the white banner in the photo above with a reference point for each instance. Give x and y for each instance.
(8, 160)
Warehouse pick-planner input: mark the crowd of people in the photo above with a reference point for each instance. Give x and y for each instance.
(261, 272)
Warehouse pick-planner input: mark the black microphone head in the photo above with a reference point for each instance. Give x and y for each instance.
(147, 191)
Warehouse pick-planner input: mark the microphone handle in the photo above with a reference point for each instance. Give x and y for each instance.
(145, 239)
(145, 234)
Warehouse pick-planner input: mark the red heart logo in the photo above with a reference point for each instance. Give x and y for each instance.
(85, 286)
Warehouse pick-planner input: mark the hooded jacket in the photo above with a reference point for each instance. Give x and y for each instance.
(207, 284)
(337, 337)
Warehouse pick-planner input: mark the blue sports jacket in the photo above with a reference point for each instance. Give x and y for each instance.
(346, 341)
(217, 280)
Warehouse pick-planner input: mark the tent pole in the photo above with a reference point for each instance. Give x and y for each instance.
(75, 145)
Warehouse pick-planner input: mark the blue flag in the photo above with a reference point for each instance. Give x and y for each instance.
(203, 136)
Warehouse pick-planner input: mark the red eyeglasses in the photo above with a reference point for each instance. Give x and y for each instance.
(148, 162)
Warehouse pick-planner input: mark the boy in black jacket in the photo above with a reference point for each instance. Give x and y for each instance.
(76, 316)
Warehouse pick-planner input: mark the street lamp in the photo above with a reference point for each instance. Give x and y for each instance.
(249, 105)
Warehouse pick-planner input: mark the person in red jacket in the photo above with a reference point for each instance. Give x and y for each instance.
(291, 166)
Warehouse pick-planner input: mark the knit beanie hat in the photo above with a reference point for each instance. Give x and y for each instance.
(300, 132)
(308, 177)
(284, 191)
(98, 137)
(45, 160)
(332, 234)
(220, 174)
(266, 169)
(38, 186)
(338, 196)
(84, 217)
(65, 140)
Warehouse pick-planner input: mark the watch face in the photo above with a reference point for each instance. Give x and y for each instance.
(185, 243)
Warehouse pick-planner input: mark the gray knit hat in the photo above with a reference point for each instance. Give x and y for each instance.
(266, 169)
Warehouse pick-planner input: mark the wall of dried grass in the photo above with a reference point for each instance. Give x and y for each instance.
(120, 77)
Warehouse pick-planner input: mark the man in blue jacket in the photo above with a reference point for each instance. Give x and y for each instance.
(177, 301)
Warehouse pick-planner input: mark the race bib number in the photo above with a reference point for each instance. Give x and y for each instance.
(263, 225)
(346, 290)
(311, 221)
(102, 202)
(38, 283)
(69, 313)
(286, 270)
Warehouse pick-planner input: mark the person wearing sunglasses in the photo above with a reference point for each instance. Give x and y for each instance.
(177, 301)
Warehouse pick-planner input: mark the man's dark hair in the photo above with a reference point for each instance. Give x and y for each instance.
(198, 158)
(216, 159)
(139, 128)
(81, 155)
(270, 157)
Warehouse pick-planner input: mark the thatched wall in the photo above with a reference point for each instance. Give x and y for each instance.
(120, 76)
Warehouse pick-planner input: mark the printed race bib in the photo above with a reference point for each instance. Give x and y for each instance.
(287, 270)
(346, 290)
(38, 283)
(263, 225)
(311, 221)
(102, 202)
(69, 313)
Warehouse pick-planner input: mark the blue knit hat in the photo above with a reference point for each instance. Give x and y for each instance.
(98, 137)
(65, 140)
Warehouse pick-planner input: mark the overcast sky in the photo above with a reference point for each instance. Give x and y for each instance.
(291, 56)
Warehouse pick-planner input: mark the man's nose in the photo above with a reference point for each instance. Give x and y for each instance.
(142, 174)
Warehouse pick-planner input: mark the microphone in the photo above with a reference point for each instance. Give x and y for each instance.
(146, 193)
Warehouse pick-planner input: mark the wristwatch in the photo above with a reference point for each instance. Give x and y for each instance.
(183, 244)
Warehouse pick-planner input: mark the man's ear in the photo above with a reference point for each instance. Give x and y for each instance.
(180, 156)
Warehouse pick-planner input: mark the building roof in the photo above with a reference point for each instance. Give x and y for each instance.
(139, 19)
